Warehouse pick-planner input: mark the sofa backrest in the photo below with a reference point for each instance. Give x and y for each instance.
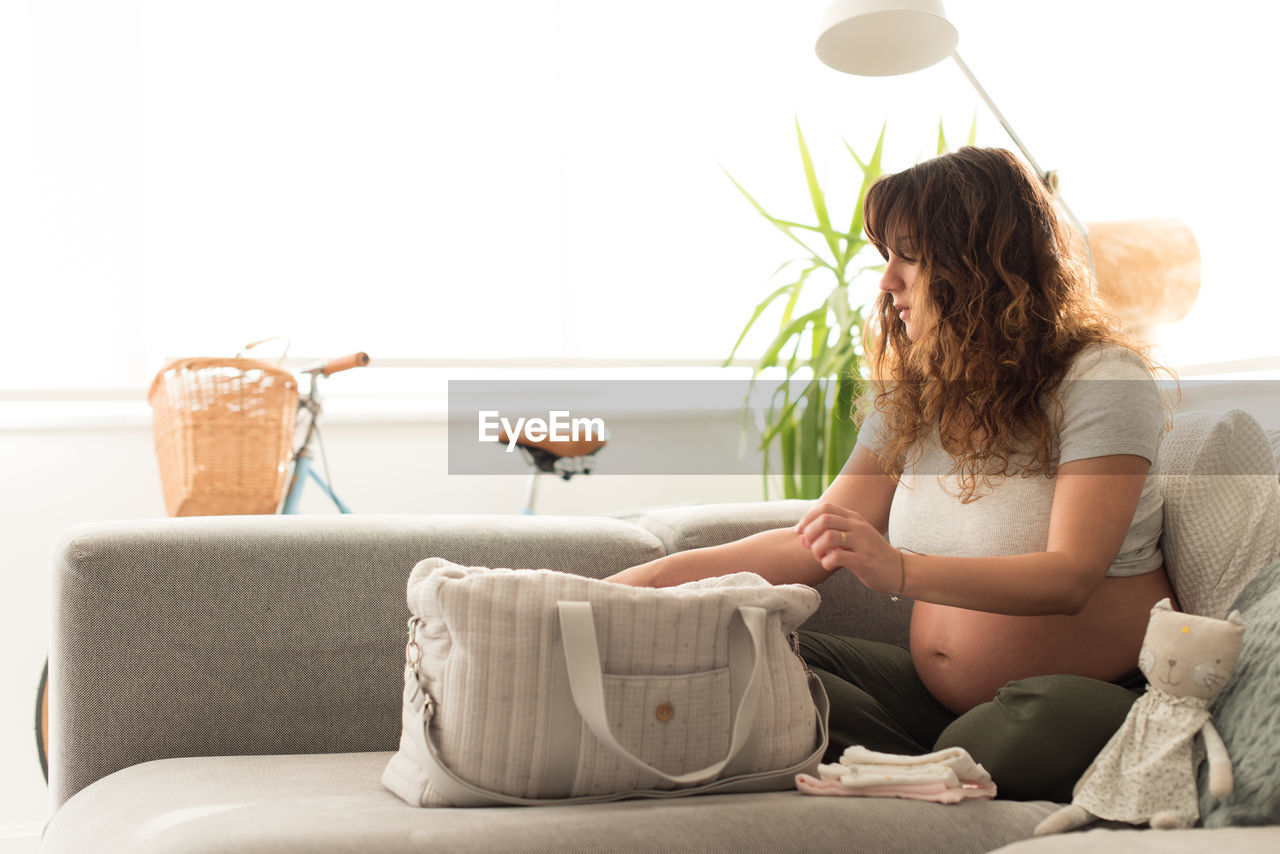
(260, 635)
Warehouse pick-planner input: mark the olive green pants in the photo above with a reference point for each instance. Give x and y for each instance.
(1036, 736)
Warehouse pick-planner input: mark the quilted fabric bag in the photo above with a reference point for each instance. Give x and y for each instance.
(529, 686)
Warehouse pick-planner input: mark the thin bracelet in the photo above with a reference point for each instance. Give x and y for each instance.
(902, 570)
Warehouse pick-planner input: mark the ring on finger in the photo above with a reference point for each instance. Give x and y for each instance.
(844, 538)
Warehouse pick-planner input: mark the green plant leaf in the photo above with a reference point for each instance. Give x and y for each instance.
(810, 441)
(774, 420)
(764, 304)
(819, 353)
(816, 195)
(842, 433)
(838, 303)
(787, 333)
(782, 225)
(818, 345)
(832, 463)
(871, 170)
(795, 294)
(784, 414)
(782, 419)
(834, 360)
(973, 129)
(787, 451)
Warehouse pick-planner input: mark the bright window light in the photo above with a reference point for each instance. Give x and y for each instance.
(531, 178)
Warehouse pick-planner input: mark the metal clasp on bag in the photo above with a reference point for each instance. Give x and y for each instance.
(794, 637)
(413, 654)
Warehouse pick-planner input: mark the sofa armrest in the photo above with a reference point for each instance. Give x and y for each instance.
(848, 607)
(250, 635)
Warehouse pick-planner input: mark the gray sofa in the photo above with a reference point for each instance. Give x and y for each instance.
(233, 684)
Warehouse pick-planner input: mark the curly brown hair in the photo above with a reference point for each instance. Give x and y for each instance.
(1012, 301)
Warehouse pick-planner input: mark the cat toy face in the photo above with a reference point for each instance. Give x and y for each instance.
(1187, 655)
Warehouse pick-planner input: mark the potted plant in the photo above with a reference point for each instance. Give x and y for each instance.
(810, 415)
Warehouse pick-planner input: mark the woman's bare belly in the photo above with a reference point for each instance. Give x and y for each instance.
(964, 656)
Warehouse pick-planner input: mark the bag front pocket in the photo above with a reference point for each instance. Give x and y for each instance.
(674, 723)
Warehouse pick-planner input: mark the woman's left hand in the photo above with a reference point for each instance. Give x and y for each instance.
(842, 538)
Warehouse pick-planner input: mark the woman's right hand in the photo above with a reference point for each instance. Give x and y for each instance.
(840, 538)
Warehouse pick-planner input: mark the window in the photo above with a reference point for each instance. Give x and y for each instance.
(530, 178)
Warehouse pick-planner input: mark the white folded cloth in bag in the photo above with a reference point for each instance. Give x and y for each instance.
(524, 686)
(946, 776)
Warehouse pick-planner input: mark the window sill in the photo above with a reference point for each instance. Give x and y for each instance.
(413, 394)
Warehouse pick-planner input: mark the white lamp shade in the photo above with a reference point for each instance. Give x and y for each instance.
(878, 38)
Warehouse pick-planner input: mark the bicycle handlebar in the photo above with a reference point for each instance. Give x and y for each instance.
(344, 363)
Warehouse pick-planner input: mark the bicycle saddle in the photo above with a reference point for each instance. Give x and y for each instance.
(556, 448)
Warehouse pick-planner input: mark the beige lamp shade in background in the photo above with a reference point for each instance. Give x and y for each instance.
(1148, 271)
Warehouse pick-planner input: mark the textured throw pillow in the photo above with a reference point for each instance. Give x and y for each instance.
(1245, 714)
(1221, 507)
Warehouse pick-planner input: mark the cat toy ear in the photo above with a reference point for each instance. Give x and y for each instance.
(1163, 605)
(1234, 619)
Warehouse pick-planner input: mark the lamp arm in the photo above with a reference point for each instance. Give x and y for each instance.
(1004, 123)
(1044, 176)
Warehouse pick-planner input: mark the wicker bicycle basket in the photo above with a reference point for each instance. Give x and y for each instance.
(224, 435)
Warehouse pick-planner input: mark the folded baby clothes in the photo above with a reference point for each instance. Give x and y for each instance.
(945, 776)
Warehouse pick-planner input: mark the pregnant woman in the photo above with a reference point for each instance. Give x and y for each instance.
(1004, 480)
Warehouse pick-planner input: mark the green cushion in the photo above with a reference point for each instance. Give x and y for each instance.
(1245, 714)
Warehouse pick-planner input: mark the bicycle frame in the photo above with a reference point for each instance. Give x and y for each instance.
(303, 462)
(302, 469)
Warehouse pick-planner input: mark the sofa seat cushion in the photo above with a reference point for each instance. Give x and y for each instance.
(325, 803)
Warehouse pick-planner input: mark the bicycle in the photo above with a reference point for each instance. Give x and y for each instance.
(303, 470)
(303, 461)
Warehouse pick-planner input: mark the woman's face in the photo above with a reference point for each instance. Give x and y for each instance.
(899, 282)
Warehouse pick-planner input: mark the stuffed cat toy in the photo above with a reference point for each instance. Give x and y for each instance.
(1147, 771)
